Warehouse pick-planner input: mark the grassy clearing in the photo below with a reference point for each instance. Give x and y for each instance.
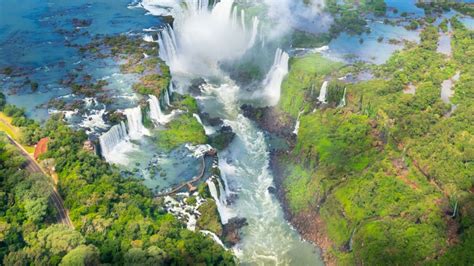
(12, 131)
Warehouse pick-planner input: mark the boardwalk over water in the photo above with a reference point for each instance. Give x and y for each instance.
(189, 184)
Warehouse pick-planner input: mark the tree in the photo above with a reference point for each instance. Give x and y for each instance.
(82, 256)
(36, 209)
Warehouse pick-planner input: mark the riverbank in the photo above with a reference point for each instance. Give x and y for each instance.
(308, 224)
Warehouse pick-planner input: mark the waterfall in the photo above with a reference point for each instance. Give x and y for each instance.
(222, 192)
(186, 50)
(274, 78)
(253, 37)
(214, 237)
(323, 92)
(148, 38)
(112, 138)
(343, 100)
(224, 211)
(242, 20)
(136, 130)
(155, 109)
(209, 130)
(297, 126)
(168, 45)
(156, 114)
(167, 96)
(114, 143)
(197, 6)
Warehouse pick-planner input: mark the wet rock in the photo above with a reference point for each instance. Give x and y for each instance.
(81, 22)
(272, 190)
(231, 231)
(195, 88)
(223, 138)
(212, 121)
(271, 120)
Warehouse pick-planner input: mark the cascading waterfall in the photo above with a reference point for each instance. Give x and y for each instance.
(114, 143)
(136, 130)
(298, 122)
(274, 78)
(323, 92)
(156, 114)
(168, 45)
(185, 46)
(343, 100)
(167, 96)
(148, 38)
(155, 109)
(209, 130)
(253, 36)
(242, 20)
(197, 5)
(203, 40)
(224, 212)
(112, 138)
(215, 237)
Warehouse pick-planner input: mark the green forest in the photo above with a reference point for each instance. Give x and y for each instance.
(116, 220)
(390, 173)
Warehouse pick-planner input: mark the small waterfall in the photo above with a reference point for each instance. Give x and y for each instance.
(115, 144)
(214, 237)
(272, 83)
(343, 100)
(222, 192)
(112, 138)
(323, 92)
(223, 10)
(167, 95)
(253, 37)
(224, 211)
(168, 45)
(209, 130)
(156, 114)
(135, 125)
(148, 38)
(155, 109)
(197, 6)
(297, 126)
(242, 20)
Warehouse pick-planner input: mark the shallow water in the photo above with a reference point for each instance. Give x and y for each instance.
(348, 47)
(34, 37)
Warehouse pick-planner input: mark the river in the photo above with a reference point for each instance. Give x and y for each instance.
(202, 37)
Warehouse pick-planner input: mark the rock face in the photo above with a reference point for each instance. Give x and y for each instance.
(271, 120)
(89, 146)
(223, 138)
(231, 231)
(195, 88)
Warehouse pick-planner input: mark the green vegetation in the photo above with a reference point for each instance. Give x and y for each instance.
(154, 83)
(14, 122)
(301, 87)
(24, 208)
(349, 15)
(182, 130)
(117, 220)
(433, 7)
(186, 103)
(391, 173)
(209, 219)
